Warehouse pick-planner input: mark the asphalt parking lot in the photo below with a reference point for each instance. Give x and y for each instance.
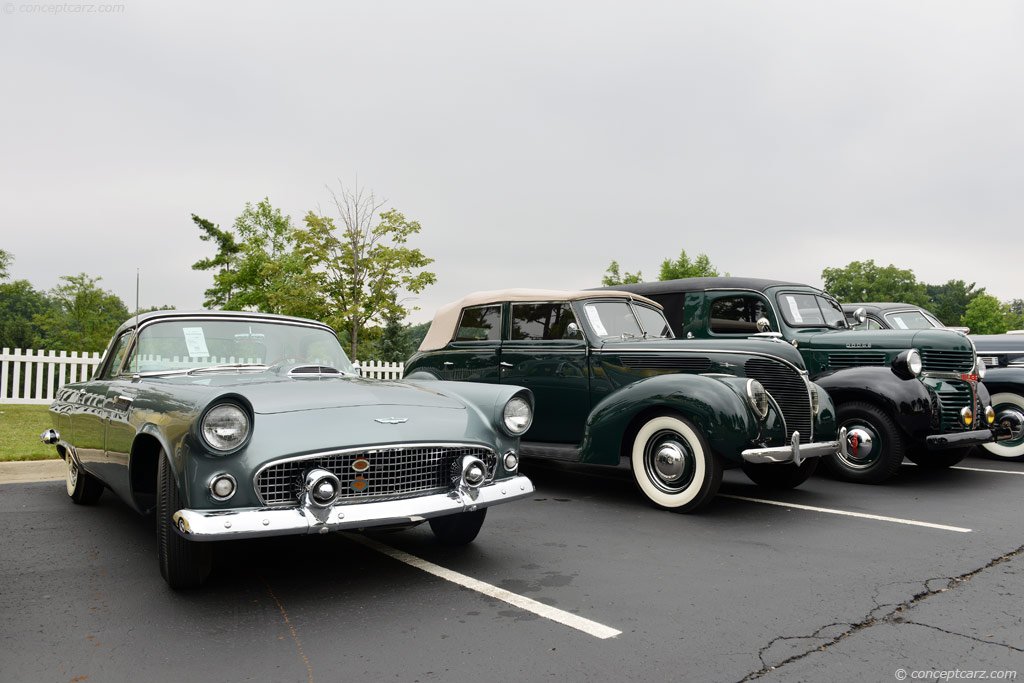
(585, 581)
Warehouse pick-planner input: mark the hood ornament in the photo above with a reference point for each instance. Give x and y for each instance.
(391, 420)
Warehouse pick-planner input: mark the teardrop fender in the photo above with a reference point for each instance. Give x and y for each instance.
(716, 405)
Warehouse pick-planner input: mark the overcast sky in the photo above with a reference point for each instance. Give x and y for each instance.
(534, 141)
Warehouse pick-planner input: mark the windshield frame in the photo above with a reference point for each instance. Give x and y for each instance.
(784, 312)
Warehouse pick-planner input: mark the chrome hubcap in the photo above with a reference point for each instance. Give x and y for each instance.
(1011, 418)
(862, 448)
(669, 462)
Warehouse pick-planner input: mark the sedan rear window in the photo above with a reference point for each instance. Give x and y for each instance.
(480, 323)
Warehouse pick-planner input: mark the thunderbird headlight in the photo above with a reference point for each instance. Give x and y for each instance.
(225, 427)
(517, 416)
(979, 367)
(758, 398)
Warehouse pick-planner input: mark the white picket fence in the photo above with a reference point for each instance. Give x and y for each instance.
(33, 377)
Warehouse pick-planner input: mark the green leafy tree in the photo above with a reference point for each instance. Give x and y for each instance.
(863, 281)
(21, 307)
(613, 277)
(5, 263)
(85, 317)
(949, 301)
(985, 315)
(361, 266)
(1015, 315)
(256, 266)
(684, 267)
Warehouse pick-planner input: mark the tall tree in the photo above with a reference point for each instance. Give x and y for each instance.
(613, 277)
(985, 315)
(684, 267)
(949, 301)
(256, 266)
(5, 263)
(863, 281)
(86, 316)
(362, 265)
(21, 307)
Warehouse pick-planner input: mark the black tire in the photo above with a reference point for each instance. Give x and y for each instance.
(183, 563)
(82, 487)
(937, 460)
(673, 466)
(458, 529)
(780, 476)
(867, 461)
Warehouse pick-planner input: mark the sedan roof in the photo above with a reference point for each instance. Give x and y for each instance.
(446, 319)
(694, 284)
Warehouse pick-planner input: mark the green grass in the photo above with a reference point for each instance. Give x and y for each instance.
(20, 427)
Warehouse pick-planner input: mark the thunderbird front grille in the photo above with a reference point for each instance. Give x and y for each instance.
(789, 390)
(382, 473)
(936, 360)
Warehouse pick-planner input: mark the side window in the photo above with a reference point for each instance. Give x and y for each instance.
(542, 321)
(480, 323)
(737, 314)
(117, 352)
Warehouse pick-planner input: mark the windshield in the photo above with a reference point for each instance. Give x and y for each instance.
(911, 320)
(810, 310)
(653, 322)
(612, 319)
(177, 345)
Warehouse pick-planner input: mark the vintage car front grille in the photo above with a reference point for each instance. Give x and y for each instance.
(940, 360)
(646, 361)
(847, 359)
(388, 472)
(990, 361)
(953, 397)
(789, 390)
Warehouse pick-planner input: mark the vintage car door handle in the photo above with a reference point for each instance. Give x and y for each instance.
(506, 365)
(447, 363)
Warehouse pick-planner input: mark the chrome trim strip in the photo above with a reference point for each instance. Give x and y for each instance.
(360, 449)
(217, 525)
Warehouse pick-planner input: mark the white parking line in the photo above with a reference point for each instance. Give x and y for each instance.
(847, 513)
(972, 469)
(540, 609)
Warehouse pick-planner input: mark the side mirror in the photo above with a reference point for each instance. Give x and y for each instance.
(763, 325)
(860, 315)
(572, 329)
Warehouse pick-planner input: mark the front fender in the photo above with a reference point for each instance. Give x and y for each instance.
(1004, 381)
(905, 400)
(717, 408)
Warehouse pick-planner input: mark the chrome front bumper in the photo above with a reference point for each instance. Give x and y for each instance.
(222, 525)
(795, 452)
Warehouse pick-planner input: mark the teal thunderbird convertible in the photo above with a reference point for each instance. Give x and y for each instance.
(232, 425)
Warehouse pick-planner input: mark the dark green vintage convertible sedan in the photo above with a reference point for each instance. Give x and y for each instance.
(611, 382)
(233, 425)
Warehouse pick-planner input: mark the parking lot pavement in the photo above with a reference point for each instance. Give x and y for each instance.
(832, 585)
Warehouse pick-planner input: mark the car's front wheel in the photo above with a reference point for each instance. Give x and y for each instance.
(673, 465)
(780, 476)
(874, 445)
(83, 488)
(458, 529)
(1009, 412)
(183, 563)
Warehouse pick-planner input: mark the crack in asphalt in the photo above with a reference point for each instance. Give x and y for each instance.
(964, 635)
(870, 620)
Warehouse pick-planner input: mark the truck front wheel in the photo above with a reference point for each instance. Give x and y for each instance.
(874, 445)
(673, 465)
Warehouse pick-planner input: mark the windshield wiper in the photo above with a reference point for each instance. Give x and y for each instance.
(255, 367)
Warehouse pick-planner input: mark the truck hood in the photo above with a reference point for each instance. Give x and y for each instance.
(884, 340)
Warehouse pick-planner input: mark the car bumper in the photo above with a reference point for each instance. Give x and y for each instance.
(795, 452)
(958, 439)
(218, 525)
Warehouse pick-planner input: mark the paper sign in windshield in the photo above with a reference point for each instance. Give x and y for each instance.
(794, 309)
(595, 321)
(195, 340)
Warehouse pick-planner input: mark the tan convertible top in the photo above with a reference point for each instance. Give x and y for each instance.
(446, 319)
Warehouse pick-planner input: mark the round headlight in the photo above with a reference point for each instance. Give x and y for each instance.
(980, 367)
(225, 427)
(517, 416)
(758, 398)
(914, 363)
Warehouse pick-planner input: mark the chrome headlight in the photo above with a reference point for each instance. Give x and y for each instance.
(757, 397)
(908, 364)
(225, 427)
(517, 416)
(979, 367)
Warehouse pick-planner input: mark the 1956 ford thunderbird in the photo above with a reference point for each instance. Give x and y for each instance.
(232, 425)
